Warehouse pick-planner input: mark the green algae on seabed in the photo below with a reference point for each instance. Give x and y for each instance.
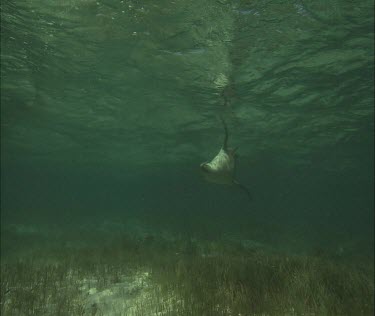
(153, 276)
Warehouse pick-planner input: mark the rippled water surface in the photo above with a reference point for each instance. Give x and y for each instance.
(118, 80)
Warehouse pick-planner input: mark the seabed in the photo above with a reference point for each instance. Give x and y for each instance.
(127, 274)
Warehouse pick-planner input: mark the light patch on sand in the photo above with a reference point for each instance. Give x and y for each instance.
(131, 295)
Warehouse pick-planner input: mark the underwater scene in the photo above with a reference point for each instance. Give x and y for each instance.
(187, 157)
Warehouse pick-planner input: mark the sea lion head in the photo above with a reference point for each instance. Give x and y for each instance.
(212, 174)
(206, 167)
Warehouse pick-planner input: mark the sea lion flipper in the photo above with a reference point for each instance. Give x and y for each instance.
(225, 145)
(244, 188)
(233, 152)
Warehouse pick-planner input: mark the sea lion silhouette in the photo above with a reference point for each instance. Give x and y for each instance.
(221, 169)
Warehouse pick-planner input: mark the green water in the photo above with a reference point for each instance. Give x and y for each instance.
(109, 107)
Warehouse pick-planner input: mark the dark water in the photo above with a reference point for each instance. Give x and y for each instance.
(109, 107)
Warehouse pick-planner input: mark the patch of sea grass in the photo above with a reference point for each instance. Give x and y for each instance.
(187, 277)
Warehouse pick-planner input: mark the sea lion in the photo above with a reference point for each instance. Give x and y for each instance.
(221, 169)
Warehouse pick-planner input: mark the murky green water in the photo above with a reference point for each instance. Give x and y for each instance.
(109, 107)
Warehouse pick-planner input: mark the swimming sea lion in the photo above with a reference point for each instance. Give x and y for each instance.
(221, 169)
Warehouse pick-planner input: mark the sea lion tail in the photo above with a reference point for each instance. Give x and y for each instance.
(244, 188)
